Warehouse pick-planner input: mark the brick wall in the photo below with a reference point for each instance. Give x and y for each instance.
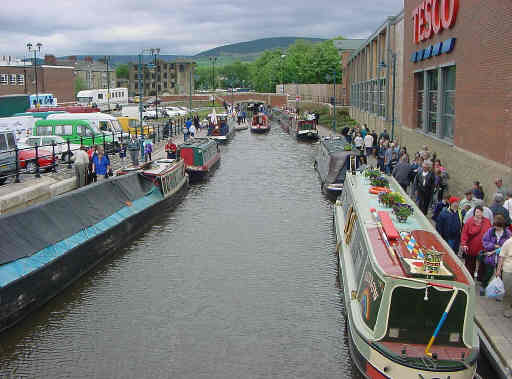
(50, 79)
(483, 58)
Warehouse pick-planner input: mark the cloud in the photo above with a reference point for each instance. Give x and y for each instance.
(185, 27)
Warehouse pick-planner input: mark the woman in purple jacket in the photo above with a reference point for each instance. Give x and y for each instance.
(492, 240)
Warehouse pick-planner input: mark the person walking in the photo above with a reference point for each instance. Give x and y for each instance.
(402, 172)
(478, 191)
(148, 149)
(122, 154)
(471, 238)
(192, 131)
(498, 208)
(142, 148)
(492, 241)
(133, 148)
(504, 269)
(170, 149)
(101, 164)
(81, 166)
(368, 144)
(425, 186)
(448, 224)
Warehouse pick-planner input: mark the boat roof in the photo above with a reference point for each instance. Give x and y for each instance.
(405, 261)
(334, 144)
(197, 143)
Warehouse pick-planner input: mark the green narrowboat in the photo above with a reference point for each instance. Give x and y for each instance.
(408, 298)
(201, 155)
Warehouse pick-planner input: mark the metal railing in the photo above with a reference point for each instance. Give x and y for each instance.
(34, 159)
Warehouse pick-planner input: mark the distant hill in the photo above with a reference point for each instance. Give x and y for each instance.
(243, 51)
(254, 47)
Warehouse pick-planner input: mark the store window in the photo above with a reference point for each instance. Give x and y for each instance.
(432, 100)
(420, 88)
(370, 96)
(382, 98)
(448, 113)
(12, 79)
(20, 79)
(3, 78)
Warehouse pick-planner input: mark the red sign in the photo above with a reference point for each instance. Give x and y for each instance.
(432, 16)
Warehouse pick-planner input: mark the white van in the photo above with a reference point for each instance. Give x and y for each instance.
(104, 122)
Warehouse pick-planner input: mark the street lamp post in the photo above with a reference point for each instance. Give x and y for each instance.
(139, 74)
(384, 65)
(328, 78)
(282, 73)
(36, 50)
(155, 53)
(107, 59)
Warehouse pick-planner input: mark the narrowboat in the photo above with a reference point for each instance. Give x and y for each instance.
(332, 162)
(201, 156)
(409, 300)
(219, 128)
(306, 130)
(260, 123)
(67, 236)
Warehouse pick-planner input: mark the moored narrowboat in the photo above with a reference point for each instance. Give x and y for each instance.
(219, 127)
(306, 130)
(260, 123)
(201, 156)
(68, 236)
(332, 162)
(408, 298)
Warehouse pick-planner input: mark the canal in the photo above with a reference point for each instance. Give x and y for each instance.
(239, 281)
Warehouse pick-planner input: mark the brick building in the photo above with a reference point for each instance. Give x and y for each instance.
(19, 78)
(346, 47)
(369, 76)
(171, 78)
(457, 86)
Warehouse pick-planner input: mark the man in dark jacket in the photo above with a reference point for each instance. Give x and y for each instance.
(498, 208)
(425, 183)
(448, 224)
(402, 171)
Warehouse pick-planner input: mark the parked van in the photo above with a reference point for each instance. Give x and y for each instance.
(75, 131)
(132, 126)
(7, 154)
(104, 123)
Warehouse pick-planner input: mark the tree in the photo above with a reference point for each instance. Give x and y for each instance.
(122, 71)
(80, 85)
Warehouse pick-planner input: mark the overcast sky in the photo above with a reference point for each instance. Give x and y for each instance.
(187, 27)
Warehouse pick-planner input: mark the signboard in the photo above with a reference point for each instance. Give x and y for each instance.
(432, 16)
(370, 292)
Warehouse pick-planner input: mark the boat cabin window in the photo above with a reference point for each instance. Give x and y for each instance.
(413, 319)
(83, 130)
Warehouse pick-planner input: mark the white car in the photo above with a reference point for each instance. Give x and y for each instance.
(61, 145)
(175, 111)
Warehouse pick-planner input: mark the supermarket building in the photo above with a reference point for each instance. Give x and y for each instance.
(454, 91)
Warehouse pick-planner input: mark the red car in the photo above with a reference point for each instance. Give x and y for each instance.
(27, 158)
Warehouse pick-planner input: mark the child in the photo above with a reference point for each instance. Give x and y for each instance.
(148, 149)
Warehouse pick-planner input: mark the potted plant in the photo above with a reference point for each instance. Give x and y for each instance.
(402, 211)
(372, 174)
(379, 182)
(390, 199)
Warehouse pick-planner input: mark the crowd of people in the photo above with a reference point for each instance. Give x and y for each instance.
(479, 234)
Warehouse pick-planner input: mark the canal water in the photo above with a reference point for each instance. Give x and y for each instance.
(239, 281)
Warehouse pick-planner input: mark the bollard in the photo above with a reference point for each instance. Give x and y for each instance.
(113, 144)
(154, 136)
(17, 180)
(69, 154)
(81, 140)
(158, 131)
(54, 161)
(92, 140)
(38, 174)
(105, 144)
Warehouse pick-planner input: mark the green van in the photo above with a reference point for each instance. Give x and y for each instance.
(74, 131)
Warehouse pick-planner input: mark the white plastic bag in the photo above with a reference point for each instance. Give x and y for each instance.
(495, 289)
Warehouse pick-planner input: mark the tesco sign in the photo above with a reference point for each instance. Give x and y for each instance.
(432, 16)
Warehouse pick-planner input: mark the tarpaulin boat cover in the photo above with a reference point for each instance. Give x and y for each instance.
(338, 165)
(333, 160)
(32, 229)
